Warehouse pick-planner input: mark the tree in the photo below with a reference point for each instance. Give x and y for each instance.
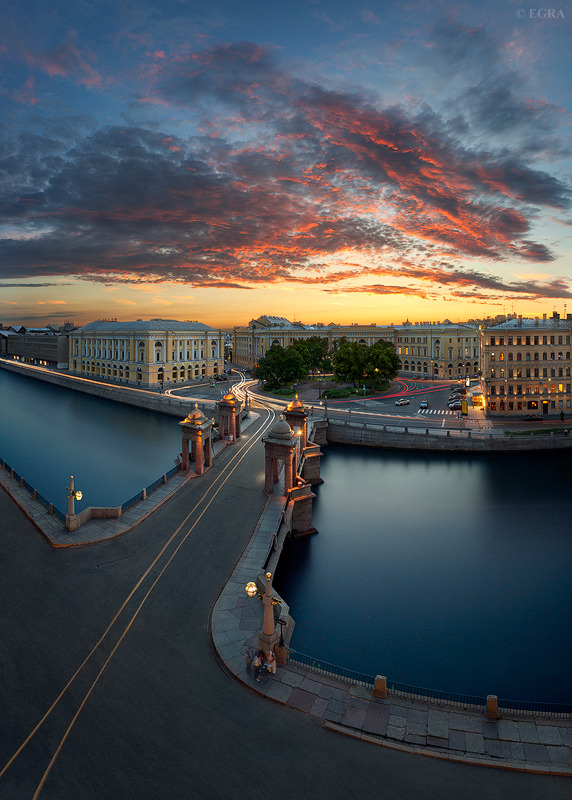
(281, 366)
(381, 362)
(314, 352)
(348, 362)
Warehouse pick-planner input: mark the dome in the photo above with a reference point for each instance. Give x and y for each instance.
(281, 430)
(295, 405)
(229, 398)
(196, 416)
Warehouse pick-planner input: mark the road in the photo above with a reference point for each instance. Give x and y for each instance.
(150, 713)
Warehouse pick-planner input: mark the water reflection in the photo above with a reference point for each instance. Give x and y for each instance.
(441, 570)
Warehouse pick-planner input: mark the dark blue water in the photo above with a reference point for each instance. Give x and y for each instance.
(445, 571)
(48, 433)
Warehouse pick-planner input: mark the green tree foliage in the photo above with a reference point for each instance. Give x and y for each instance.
(281, 366)
(355, 362)
(314, 351)
(381, 363)
(348, 362)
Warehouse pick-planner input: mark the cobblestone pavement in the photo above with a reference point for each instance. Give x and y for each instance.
(534, 744)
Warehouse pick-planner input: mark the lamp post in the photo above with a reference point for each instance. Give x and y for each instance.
(72, 496)
(268, 636)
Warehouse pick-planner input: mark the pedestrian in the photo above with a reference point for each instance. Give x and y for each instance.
(561, 416)
(270, 662)
(257, 664)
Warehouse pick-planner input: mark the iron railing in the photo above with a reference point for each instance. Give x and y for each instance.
(459, 700)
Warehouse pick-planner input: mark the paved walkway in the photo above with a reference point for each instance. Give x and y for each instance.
(534, 744)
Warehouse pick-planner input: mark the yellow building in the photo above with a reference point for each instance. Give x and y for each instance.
(147, 353)
(440, 350)
(526, 366)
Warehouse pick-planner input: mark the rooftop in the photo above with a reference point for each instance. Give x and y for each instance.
(144, 325)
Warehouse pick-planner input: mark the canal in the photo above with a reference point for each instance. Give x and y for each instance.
(48, 433)
(445, 571)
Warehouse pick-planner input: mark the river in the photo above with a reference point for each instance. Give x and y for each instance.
(113, 450)
(446, 571)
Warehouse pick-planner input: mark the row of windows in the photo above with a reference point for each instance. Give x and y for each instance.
(528, 340)
(528, 372)
(545, 388)
(535, 356)
(530, 405)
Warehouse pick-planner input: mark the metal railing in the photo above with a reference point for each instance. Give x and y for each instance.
(526, 709)
(323, 668)
(437, 696)
(459, 700)
(31, 489)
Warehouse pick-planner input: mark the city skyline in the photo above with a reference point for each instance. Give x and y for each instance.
(319, 162)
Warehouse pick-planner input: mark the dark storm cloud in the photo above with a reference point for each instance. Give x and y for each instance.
(301, 173)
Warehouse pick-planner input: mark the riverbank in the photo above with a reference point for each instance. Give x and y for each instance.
(140, 398)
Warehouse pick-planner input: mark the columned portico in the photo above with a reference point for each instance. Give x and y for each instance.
(196, 429)
(229, 417)
(279, 445)
(297, 417)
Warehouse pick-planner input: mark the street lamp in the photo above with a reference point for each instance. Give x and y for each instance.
(72, 496)
(268, 636)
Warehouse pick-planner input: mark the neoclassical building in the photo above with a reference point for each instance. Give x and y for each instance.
(147, 353)
(439, 350)
(526, 366)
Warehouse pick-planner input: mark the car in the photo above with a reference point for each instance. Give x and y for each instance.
(533, 417)
(424, 404)
(455, 396)
(402, 401)
(456, 386)
(455, 406)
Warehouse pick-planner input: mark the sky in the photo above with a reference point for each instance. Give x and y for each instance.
(322, 161)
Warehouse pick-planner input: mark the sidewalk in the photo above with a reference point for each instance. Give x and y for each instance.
(525, 743)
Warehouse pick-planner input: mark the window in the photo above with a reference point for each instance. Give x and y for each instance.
(527, 340)
(511, 389)
(527, 356)
(493, 390)
(536, 372)
(492, 340)
(536, 356)
(519, 356)
(510, 339)
(545, 340)
(519, 340)
(519, 389)
(501, 340)
(493, 406)
(492, 356)
(510, 357)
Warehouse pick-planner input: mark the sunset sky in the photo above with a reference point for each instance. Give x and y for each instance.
(322, 161)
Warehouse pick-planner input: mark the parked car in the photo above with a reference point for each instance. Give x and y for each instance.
(402, 401)
(533, 417)
(455, 406)
(424, 404)
(455, 396)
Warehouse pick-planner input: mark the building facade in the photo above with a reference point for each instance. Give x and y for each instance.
(526, 366)
(148, 353)
(438, 350)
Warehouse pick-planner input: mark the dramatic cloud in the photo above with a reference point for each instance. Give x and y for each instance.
(280, 179)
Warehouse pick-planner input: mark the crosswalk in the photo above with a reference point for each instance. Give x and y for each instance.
(437, 411)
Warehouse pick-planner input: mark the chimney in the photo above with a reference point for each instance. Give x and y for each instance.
(520, 320)
(536, 321)
(544, 316)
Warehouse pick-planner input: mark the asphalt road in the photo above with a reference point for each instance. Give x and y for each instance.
(151, 714)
